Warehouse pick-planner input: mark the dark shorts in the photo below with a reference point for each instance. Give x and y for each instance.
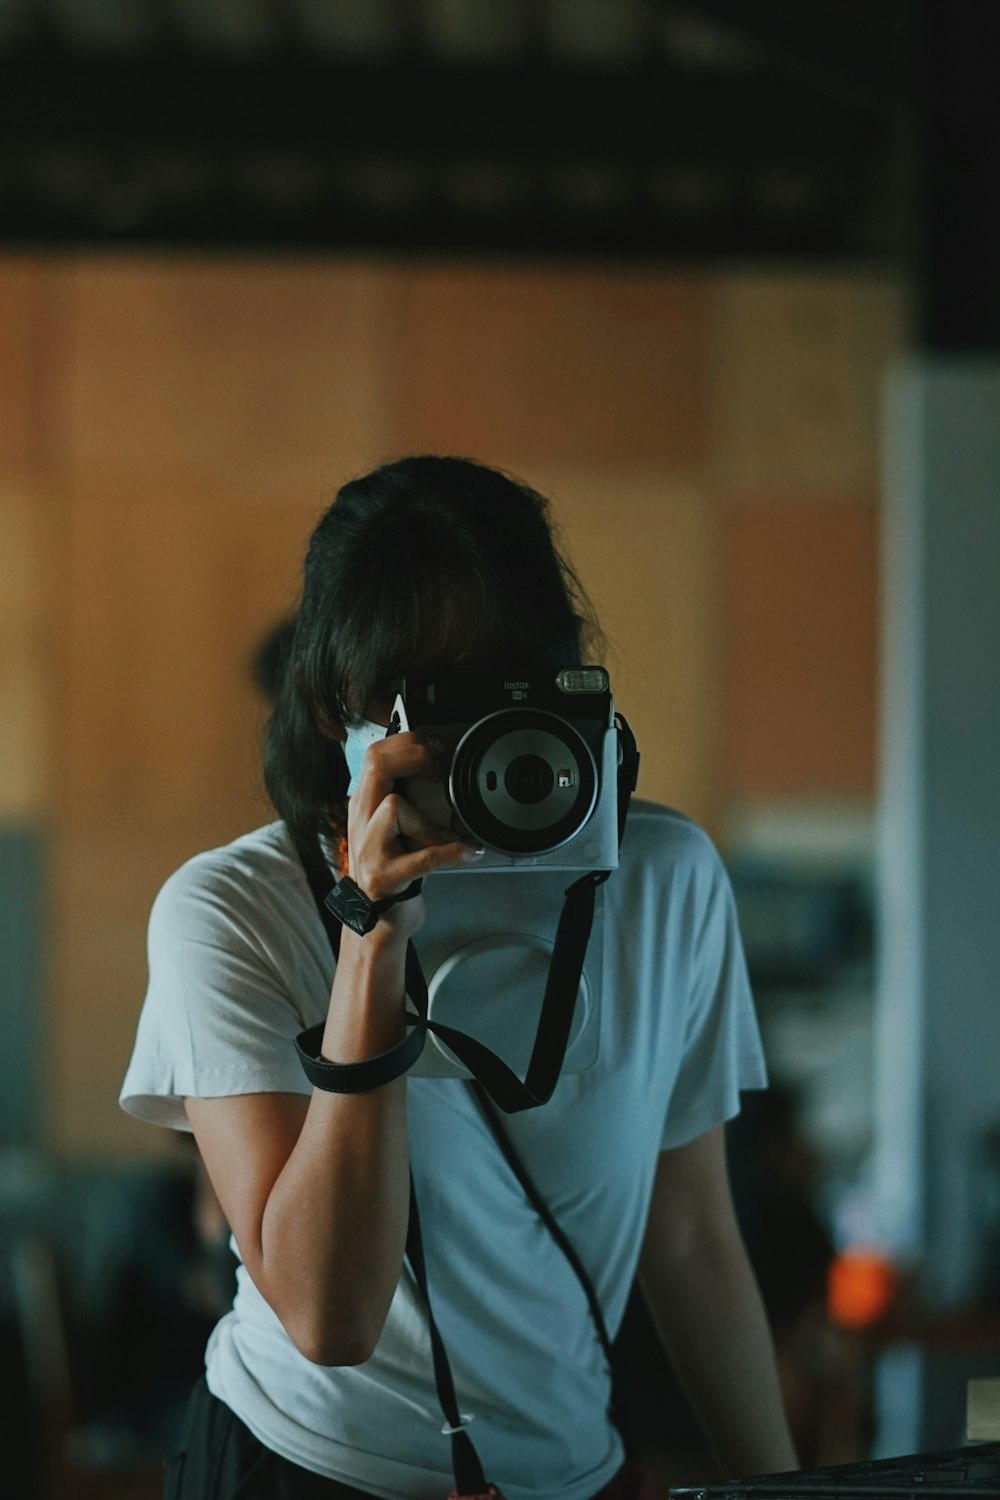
(220, 1459)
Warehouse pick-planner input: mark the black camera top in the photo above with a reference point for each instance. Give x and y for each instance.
(464, 694)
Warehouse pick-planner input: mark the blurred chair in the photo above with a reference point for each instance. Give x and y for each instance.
(74, 1460)
(107, 1296)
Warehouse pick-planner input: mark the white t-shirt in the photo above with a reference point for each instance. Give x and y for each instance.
(239, 963)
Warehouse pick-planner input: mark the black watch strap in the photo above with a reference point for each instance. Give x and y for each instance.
(349, 904)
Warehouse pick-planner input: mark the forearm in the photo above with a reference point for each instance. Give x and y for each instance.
(708, 1312)
(334, 1228)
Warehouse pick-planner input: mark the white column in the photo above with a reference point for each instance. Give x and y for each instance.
(937, 1065)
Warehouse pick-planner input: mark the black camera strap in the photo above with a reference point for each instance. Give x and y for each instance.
(548, 1052)
(564, 1243)
(470, 1480)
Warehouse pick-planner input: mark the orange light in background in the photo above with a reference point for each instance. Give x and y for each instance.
(861, 1288)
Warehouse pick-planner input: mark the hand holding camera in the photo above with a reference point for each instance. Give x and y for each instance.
(391, 843)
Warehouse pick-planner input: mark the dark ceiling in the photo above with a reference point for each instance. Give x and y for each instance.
(654, 128)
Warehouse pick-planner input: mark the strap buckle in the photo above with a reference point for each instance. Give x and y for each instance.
(464, 1419)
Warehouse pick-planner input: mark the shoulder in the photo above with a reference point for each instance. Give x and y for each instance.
(671, 872)
(661, 842)
(239, 885)
(265, 854)
(237, 967)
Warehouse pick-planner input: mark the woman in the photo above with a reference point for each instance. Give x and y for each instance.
(320, 1381)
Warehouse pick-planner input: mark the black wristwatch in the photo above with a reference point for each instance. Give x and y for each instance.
(349, 904)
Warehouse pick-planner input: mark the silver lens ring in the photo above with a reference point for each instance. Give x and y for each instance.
(523, 781)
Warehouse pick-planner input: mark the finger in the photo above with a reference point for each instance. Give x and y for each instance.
(385, 860)
(414, 824)
(396, 826)
(391, 760)
(456, 855)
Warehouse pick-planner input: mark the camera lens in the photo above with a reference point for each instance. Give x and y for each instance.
(523, 781)
(529, 779)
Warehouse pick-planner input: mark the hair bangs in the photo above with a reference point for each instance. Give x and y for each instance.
(434, 617)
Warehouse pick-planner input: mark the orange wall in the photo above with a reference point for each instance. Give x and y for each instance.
(798, 660)
(169, 431)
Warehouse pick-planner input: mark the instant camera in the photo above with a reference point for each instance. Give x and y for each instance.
(530, 763)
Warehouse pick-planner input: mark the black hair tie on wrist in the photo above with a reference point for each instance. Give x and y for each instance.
(356, 1077)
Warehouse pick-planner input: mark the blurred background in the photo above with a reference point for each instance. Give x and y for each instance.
(719, 277)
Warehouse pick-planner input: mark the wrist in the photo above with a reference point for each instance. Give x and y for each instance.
(354, 908)
(370, 979)
(385, 945)
(368, 999)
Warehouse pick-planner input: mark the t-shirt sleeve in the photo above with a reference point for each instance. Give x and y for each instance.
(722, 1051)
(217, 1018)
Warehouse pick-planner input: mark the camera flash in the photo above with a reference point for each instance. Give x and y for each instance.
(582, 680)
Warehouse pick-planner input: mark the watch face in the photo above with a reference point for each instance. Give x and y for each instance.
(351, 906)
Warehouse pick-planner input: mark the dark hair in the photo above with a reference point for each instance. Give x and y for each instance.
(270, 658)
(426, 561)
